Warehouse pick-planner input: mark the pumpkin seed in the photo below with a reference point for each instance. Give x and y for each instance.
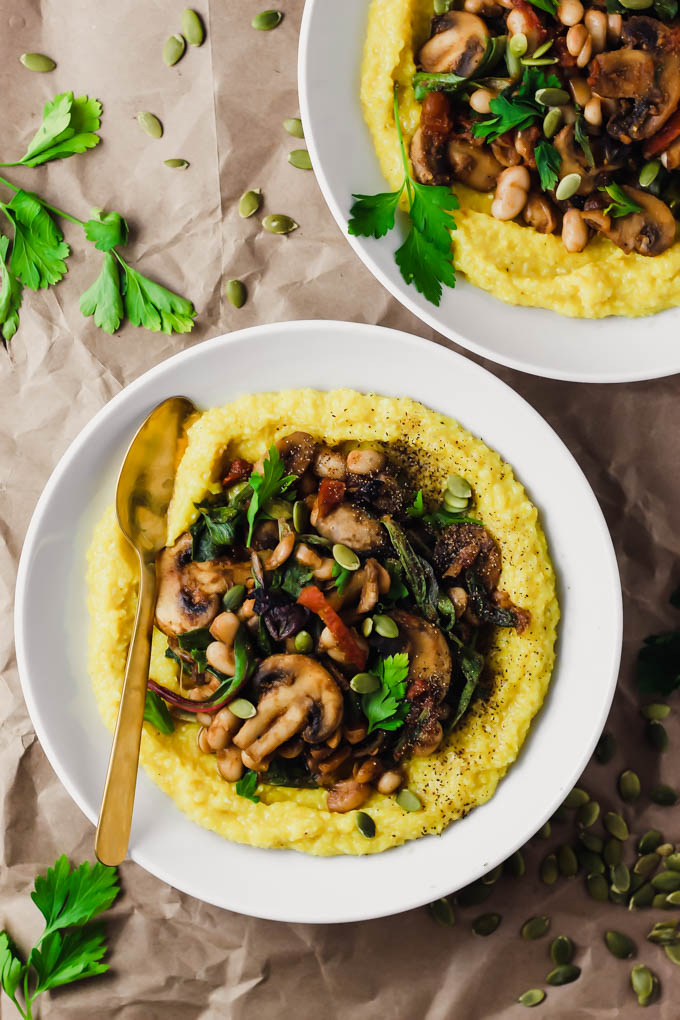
(550, 871)
(591, 862)
(647, 864)
(567, 861)
(664, 933)
(615, 825)
(300, 515)
(551, 97)
(642, 897)
(364, 683)
(486, 924)
(346, 557)
(606, 748)
(561, 950)
(367, 627)
(458, 486)
(563, 975)
(442, 6)
(544, 831)
(648, 175)
(591, 842)
(492, 876)
(588, 814)
(617, 897)
(242, 708)
(37, 62)
(642, 980)
(673, 861)
(266, 20)
(408, 800)
(666, 881)
(236, 293)
(613, 852)
(656, 734)
(293, 125)
(149, 123)
(365, 825)
(192, 27)
(514, 64)
(552, 122)
(665, 849)
(629, 786)
(385, 626)
(649, 841)
(278, 223)
(620, 876)
(515, 865)
(453, 503)
(663, 795)
(569, 184)
(673, 953)
(561, 815)
(660, 901)
(304, 642)
(541, 50)
(535, 927)
(233, 599)
(532, 997)
(619, 945)
(637, 5)
(300, 159)
(518, 44)
(173, 50)
(441, 911)
(576, 798)
(176, 164)
(473, 895)
(597, 888)
(657, 710)
(249, 203)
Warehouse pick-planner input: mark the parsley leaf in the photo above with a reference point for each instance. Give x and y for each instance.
(294, 577)
(666, 9)
(621, 204)
(386, 708)
(548, 162)
(583, 140)
(11, 292)
(68, 127)
(106, 229)
(11, 967)
(508, 113)
(341, 576)
(549, 6)
(425, 266)
(246, 786)
(66, 897)
(271, 482)
(373, 215)
(153, 306)
(39, 248)
(442, 518)
(417, 508)
(62, 958)
(157, 713)
(103, 298)
(535, 78)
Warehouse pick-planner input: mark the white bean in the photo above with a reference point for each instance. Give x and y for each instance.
(593, 111)
(596, 23)
(574, 231)
(480, 102)
(511, 193)
(570, 12)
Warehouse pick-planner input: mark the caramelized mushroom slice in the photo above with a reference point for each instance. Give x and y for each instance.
(540, 213)
(474, 165)
(460, 546)
(297, 451)
(351, 526)
(574, 160)
(429, 158)
(623, 74)
(458, 46)
(429, 658)
(648, 232)
(188, 593)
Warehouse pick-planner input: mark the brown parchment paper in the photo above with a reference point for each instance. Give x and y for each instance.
(222, 107)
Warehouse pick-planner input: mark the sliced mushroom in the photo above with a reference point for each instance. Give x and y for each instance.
(504, 150)
(429, 158)
(183, 603)
(574, 160)
(458, 46)
(460, 546)
(329, 463)
(429, 658)
(648, 232)
(540, 213)
(351, 526)
(297, 451)
(474, 165)
(298, 696)
(623, 74)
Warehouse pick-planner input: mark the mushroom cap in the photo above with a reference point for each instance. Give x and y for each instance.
(540, 213)
(428, 158)
(297, 450)
(459, 546)
(574, 159)
(458, 45)
(648, 232)
(474, 165)
(182, 604)
(429, 662)
(351, 526)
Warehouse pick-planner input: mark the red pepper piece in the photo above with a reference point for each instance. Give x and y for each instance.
(315, 600)
(238, 470)
(663, 138)
(331, 494)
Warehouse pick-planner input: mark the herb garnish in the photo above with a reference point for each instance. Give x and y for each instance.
(549, 6)
(516, 106)
(417, 508)
(414, 571)
(214, 530)
(70, 948)
(620, 204)
(548, 162)
(583, 140)
(424, 258)
(246, 786)
(156, 712)
(341, 576)
(386, 708)
(658, 662)
(195, 643)
(293, 578)
(272, 482)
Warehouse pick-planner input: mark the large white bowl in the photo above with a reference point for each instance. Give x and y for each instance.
(531, 339)
(51, 623)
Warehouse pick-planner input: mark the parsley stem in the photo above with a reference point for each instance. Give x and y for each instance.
(397, 121)
(58, 212)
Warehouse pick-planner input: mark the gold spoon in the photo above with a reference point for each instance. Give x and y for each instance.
(143, 494)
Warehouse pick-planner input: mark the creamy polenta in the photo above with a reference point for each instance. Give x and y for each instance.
(511, 261)
(466, 769)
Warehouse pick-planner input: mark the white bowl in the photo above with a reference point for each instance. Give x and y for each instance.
(51, 623)
(534, 340)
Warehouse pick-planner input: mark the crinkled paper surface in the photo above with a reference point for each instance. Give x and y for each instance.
(174, 958)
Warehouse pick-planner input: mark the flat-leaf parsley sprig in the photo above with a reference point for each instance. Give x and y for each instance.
(425, 258)
(70, 947)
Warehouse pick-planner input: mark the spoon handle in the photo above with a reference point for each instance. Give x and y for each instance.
(115, 817)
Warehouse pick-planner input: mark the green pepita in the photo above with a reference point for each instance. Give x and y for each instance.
(541, 50)
(544, 831)
(591, 862)
(567, 861)
(657, 710)
(656, 734)
(532, 997)
(606, 748)
(647, 864)
(491, 877)
(561, 950)
(673, 953)
(454, 504)
(278, 223)
(149, 123)
(637, 5)
(642, 897)
(629, 786)
(367, 627)
(588, 814)
(266, 20)
(37, 62)
(300, 159)
(619, 945)
(665, 849)
(242, 708)
(660, 902)
(613, 852)
(486, 924)
(673, 861)
(518, 44)
(473, 895)
(568, 186)
(409, 801)
(563, 975)
(458, 486)
(304, 642)
(617, 897)
(278, 509)
(365, 824)
(442, 6)
(515, 865)
(385, 626)
(173, 50)
(666, 881)
(293, 125)
(233, 599)
(552, 97)
(249, 202)
(576, 798)
(664, 933)
(550, 871)
(192, 27)
(346, 557)
(620, 876)
(615, 825)
(300, 515)
(236, 293)
(663, 795)
(649, 841)
(560, 816)
(176, 163)
(673, 899)
(364, 683)
(591, 842)
(441, 911)
(552, 122)
(535, 927)
(597, 888)
(641, 980)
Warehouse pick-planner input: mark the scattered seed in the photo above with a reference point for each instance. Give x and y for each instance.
(473, 895)
(576, 798)
(367, 627)
(663, 795)
(568, 186)
(233, 599)
(533, 996)
(588, 814)
(441, 911)
(591, 842)
(650, 841)
(552, 122)
(491, 877)
(641, 980)
(660, 901)
(300, 159)
(242, 708)
(666, 881)
(591, 862)
(615, 825)
(544, 831)
(657, 710)
(629, 786)
(551, 97)
(597, 888)
(300, 510)
(664, 933)
(619, 898)
(620, 876)
(561, 815)
(649, 173)
(606, 748)
(365, 824)
(176, 164)
(458, 486)
(249, 203)
(542, 49)
(515, 865)
(619, 945)
(266, 20)
(364, 683)
(564, 974)
(613, 852)
(535, 927)
(567, 861)
(304, 642)
(642, 897)
(293, 125)
(385, 626)
(550, 871)
(656, 734)
(236, 293)
(665, 849)
(345, 557)
(647, 864)
(673, 953)
(518, 44)
(192, 27)
(486, 924)
(408, 800)
(442, 6)
(149, 123)
(673, 861)
(278, 223)
(173, 50)
(37, 62)
(561, 950)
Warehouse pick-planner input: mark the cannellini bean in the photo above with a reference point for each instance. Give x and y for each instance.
(229, 764)
(305, 554)
(593, 111)
(614, 26)
(329, 463)
(216, 738)
(574, 231)
(518, 22)
(221, 657)
(511, 193)
(570, 12)
(365, 462)
(586, 53)
(389, 782)
(596, 23)
(224, 627)
(202, 741)
(367, 771)
(480, 100)
(282, 551)
(576, 39)
(580, 90)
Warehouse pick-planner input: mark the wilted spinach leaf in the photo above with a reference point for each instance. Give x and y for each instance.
(481, 603)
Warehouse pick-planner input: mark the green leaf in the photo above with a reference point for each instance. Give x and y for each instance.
(222, 523)
(60, 958)
(386, 708)
(341, 576)
(66, 897)
(103, 298)
(11, 966)
(11, 293)
(68, 127)
(56, 119)
(106, 229)
(39, 248)
(272, 482)
(533, 79)
(442, 518)
(621, 204)
(430, 214)
(437, 81)
(481, 604)
(155, 307)
(417, 508)
(581, 137)
(509, 113)
(548, 163)
(413, 568)
(246, 786)
(157, 713)
(666, 9)
(471, 664)
(294, 577)
(373, 215)
(424, 265)
(195, 643)
(549, 6)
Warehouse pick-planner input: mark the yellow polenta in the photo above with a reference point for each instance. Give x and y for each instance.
(513, 262)
(473, 759)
